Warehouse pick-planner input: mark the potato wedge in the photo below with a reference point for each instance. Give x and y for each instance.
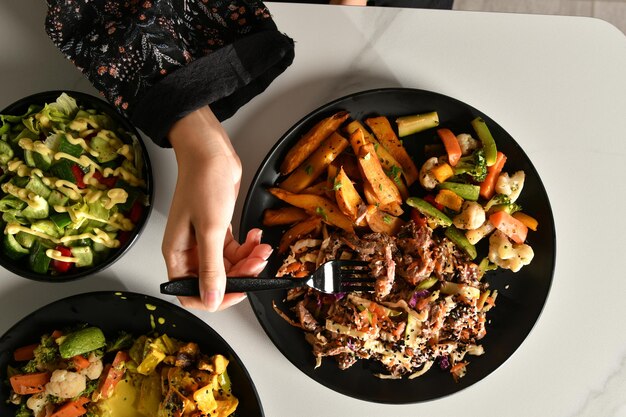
(320, 188)
(387, 137)
(316, 205)
(392, 167)
(348, 199)
(283, 216)
(381, 187)
(315, 164)
(388, 162)
(310, 226)
(382, 222)
(311, 141)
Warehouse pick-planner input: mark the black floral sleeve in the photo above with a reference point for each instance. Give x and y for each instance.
(158, 60)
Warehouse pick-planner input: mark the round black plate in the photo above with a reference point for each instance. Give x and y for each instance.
(89, 102)
(522, 295)
(134, 313)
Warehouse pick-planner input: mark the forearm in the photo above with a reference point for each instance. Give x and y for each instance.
(200, 135)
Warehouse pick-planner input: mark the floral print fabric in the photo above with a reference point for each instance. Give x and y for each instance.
(126, 47)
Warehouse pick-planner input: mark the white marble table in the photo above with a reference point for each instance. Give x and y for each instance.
(556, 84)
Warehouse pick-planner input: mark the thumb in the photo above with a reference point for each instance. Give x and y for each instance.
(211, 272)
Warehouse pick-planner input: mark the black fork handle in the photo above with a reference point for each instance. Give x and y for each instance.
(189, 286)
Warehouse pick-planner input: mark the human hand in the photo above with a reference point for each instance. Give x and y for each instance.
(198, 239)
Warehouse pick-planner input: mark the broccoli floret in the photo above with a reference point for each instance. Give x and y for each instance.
(23, 411)
(124, 340)
(502, 202)
(474, 165)
(46, 353)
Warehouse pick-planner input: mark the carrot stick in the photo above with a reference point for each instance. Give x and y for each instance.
(509, 225)
(24, 384)
(25, 353)
(488, 186)
(72, 408)
(80, 362)
(451, 144)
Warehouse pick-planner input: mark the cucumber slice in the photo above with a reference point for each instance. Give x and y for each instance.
(105, 152)
(83, 254)
(29, 159)
(47, 227)
(61, 220)
(6, 152)
(42, 161)
(38, 187)
(25, 239)
(63, 169)
(57, 198)
(39, 212)
(68, 148)
(19, 181)
(12, 247)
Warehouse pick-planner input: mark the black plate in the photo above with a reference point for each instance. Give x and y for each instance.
(134, 313)
(522, 295)
(89, 102)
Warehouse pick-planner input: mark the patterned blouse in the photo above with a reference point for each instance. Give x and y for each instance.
(158, 60)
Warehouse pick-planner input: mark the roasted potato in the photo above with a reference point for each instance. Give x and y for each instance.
(315, 164)
(316, 205)
(311, 141)
(387, 137)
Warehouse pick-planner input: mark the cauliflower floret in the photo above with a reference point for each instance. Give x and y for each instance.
(66, 384)
(427, 179)
(508, 255)
(511, 186)
(37, 403)
(472, 216)
(467, 143)
(475, 235)
(94, 369)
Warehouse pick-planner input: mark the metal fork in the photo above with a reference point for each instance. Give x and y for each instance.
(331, 277)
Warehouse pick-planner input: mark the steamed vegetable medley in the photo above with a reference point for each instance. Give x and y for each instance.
(72, 186)
(81, 373)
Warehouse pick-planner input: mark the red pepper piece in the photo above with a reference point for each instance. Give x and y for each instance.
(108, 182)
(61, 266)
(78, 176)
(136, 211)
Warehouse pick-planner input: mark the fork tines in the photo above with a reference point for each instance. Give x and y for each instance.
(355, 276)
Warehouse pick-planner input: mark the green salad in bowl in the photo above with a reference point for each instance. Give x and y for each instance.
(75, 185)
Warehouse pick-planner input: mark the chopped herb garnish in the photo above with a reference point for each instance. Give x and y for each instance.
(308, 169)
(387, 219)
(321, 212)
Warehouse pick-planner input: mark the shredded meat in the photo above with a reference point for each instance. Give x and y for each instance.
(446, 317)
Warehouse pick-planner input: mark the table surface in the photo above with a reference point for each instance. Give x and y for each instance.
(556, 84)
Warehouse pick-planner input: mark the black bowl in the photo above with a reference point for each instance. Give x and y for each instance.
(134, 313)
(521, 296)
(89, 102)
